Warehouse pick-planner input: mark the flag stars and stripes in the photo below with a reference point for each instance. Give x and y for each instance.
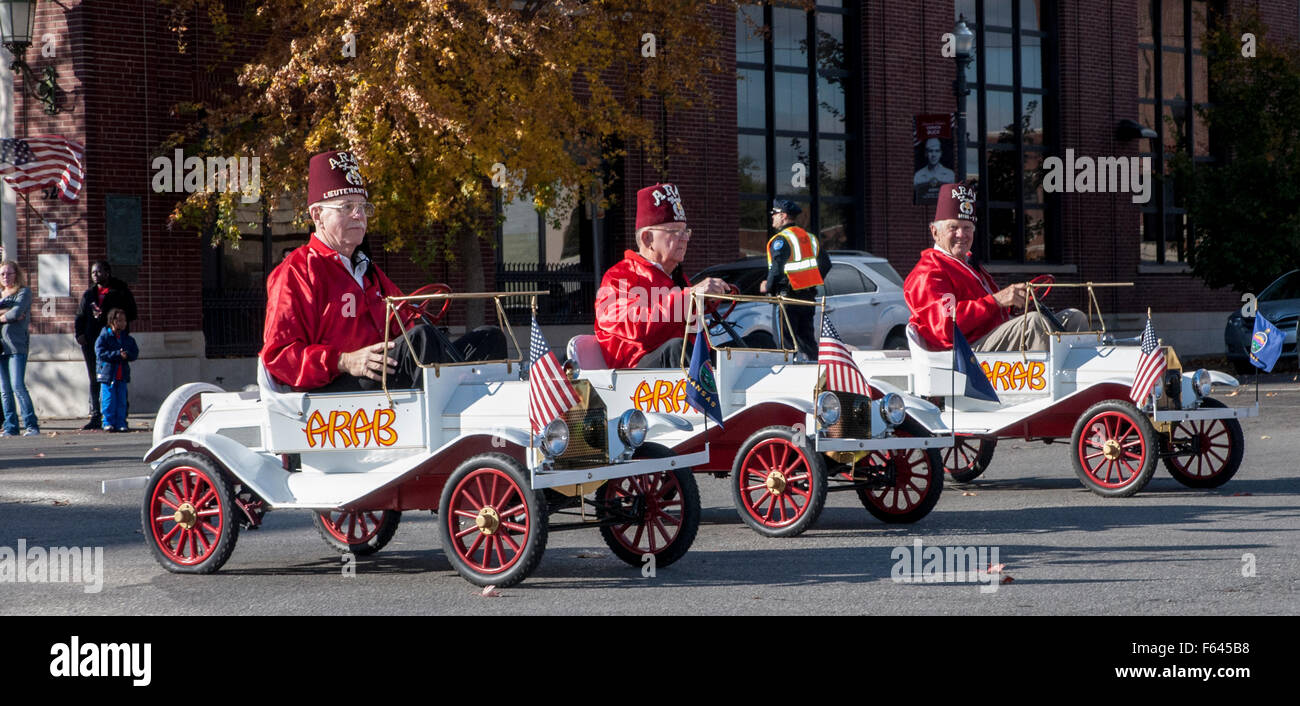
(842, 373)
(45, 160)
(1151, 366)
(550, 394)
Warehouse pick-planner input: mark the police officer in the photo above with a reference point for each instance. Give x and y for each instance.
(796, 265)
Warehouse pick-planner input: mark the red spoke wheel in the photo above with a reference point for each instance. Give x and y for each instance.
(1114, 448)
(917, 480)
(1218, 445)
(360, 532)
(189, 515)
(493, 525)
(180, 409)
(667, 505)
(778, 482)
(968, 458)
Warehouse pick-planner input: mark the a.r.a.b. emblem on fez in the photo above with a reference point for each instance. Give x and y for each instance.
(967, 208)
(669, 193)
(345, 162)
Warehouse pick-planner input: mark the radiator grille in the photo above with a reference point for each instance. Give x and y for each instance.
(588, 439)
(855, 417)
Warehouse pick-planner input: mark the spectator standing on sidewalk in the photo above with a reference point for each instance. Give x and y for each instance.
(15, 313)
(115, 349)
(105, 293)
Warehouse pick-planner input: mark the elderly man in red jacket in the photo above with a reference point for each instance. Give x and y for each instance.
(641, 304)
(985, 313)
(325, 310)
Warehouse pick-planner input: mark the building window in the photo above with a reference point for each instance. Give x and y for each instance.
(1172, 83)
(540, 251)
(796, 106)
(1012, 126)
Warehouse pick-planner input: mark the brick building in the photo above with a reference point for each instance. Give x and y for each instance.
(821, 112)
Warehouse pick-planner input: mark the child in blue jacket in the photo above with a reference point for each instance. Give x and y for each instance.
(114, 349)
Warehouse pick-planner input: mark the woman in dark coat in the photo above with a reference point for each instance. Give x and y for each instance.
(105, 293)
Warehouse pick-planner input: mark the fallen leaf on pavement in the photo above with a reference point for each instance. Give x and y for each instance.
(1266, 436)
(54, 433)
(1006, 579)
(1234, 393)
(967, 493)
(490, 592)
(95, 449)
(60, 503)
(40, 454)
(587, 555)
(1237, 495)
(1270, 394)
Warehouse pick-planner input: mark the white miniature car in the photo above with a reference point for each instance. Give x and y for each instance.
(1078, 389)
(460, 446)
(785, 440)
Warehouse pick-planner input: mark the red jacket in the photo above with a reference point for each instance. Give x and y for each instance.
(639, 307)
(939, 273)
(316, 311)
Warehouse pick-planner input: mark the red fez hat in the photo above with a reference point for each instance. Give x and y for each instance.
(956, 202)
(334, 173)
(657, 204)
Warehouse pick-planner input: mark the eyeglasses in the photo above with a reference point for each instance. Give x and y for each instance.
(352, 209)
(683, 233)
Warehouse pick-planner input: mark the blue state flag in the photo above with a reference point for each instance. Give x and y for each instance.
(1265, 343)
(964, 362)
(701, 387)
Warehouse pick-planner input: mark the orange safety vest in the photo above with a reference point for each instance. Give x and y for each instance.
(801, 269)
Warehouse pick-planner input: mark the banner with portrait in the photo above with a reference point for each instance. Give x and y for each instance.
(933, 155)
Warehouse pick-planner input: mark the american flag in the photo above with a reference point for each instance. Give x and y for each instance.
(41, 161)
(550, 393)
(842, 374)
(1150, 368)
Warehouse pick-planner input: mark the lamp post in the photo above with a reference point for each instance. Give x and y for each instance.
(17, 22)
(965, 54)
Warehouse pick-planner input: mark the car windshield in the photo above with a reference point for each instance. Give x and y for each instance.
(1285, 287)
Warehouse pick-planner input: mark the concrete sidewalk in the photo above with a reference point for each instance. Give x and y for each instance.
(137, 423)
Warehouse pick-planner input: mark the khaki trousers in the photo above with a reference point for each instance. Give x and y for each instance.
(1007, 337)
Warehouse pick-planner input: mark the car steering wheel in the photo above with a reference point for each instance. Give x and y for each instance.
(1043, 279)
(712, 306)
(424, 309)
(1053, 322)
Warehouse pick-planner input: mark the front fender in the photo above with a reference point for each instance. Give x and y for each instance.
(662, 423)
(262, 473)
(1221, 378)
(927, 413)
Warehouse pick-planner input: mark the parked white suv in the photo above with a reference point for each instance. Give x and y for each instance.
(863, 291)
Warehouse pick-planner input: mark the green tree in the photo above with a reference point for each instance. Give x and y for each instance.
(1245, 205)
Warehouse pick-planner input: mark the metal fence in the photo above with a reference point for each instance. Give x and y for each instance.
(571, 298)
(232, 321)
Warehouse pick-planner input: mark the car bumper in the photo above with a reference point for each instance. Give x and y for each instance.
(888, 443)
(1190, 415)
(551, 479)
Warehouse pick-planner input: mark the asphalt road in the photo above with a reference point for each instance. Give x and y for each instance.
(1168, 551)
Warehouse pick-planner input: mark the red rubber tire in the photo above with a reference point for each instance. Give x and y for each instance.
(359, 532)
(1221, 445)
(188, 489)
(1114, 449)
(776, 468)
(506, 549)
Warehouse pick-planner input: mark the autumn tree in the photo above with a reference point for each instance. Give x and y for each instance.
(445, 100)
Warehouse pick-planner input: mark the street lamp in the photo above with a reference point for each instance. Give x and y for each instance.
(17, 21)
(965, 53)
